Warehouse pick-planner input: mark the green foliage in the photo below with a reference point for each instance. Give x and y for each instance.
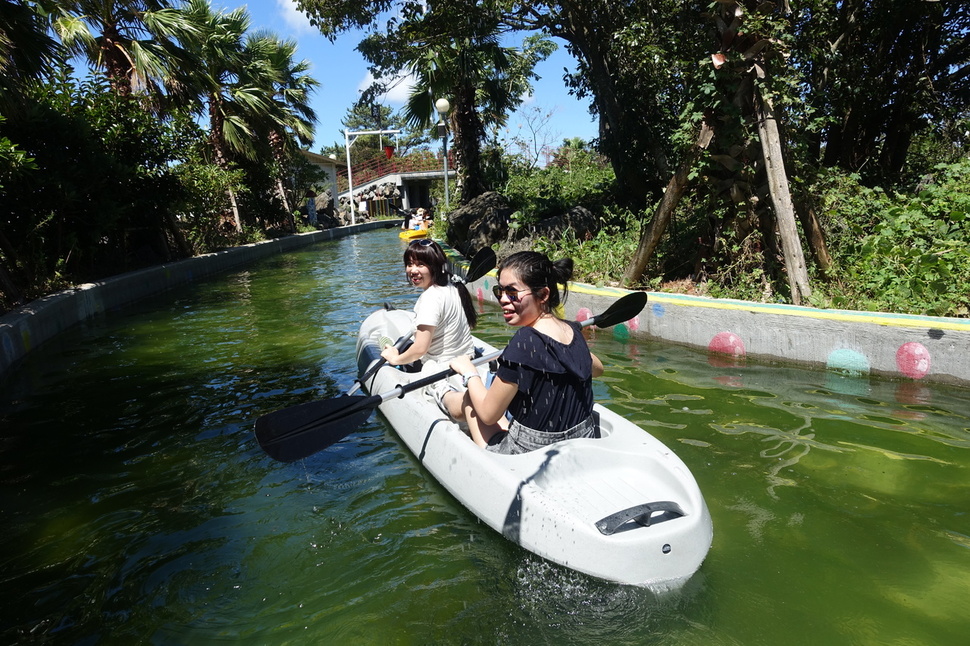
(944, 143)
(579, 178)
(603, 259)
(109, 188)
(13, 161)
(94, 202)
(202, 211)
(902, 253)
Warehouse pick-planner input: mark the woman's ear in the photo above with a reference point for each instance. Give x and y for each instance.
(543, 295)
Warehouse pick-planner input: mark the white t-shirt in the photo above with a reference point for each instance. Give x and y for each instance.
(441, 307)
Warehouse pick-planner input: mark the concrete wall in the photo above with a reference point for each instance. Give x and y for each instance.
(915, 348)
(27, 327)
(918, 348)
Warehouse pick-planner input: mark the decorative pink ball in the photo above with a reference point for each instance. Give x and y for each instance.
(727, 343)
(913, 360)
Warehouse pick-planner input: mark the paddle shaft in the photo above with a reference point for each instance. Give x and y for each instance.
(399, 344)
(300, 431)
(403, 389)
(608, 318)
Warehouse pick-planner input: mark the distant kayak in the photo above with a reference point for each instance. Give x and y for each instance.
(410, 234)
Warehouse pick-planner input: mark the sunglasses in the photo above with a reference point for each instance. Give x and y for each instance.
(511, 292)
(423, 242)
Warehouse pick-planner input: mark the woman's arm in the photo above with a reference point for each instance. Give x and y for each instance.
(597, 365)
(422, 341)
(490, 403)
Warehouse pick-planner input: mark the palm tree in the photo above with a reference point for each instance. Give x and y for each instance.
(226, 78)
(484, 81)
(293, 122)
(27, 52)
(133, 41)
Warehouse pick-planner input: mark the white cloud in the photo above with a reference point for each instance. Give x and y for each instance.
(293, 18)
(398, 92)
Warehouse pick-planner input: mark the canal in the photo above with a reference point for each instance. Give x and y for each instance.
(138, 508)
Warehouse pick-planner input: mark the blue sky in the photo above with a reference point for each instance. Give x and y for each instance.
(342, 73)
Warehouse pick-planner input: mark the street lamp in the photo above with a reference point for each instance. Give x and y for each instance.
(442, 106)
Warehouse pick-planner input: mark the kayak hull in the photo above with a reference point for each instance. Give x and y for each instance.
(411, 234)
(622, 507)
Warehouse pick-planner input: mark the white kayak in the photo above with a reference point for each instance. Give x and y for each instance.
(622, 507)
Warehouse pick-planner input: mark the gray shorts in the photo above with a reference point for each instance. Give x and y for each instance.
(522, 439)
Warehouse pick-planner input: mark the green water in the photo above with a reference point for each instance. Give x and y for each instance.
(137, 507)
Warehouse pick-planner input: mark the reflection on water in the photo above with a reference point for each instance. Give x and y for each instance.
(137, 506)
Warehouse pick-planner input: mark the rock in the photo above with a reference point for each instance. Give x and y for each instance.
(482, 222)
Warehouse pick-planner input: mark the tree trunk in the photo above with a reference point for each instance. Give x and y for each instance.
(661, 217)
(286, 205)
(235, 210)
(219, 153)
(575, 28)
(467, 135)
(781, 201)
(279, 154)
(816, 238)
(184, 248)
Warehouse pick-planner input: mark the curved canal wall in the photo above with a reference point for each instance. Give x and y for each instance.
(904, 347)
(28, 326)
(898, 346)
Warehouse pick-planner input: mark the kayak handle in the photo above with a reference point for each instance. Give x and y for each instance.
(641, 514)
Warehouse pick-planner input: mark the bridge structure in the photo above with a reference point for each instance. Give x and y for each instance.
(411, 176)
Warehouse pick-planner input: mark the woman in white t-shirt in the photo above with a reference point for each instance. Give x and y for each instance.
(443, 318)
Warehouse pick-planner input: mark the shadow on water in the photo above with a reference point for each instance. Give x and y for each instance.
(138, 508)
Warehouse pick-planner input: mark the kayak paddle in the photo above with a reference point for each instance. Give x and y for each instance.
(299, 431)
(482, 263)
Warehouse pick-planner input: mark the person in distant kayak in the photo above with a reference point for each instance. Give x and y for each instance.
(409, 217)
(423, 219)
(443, 317)
(544, 376)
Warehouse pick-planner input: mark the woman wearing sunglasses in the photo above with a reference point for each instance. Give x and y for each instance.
(443, 316)
(544, 376)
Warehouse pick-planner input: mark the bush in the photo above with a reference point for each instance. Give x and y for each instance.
(539, 193)
(901, 253)
(603, 259)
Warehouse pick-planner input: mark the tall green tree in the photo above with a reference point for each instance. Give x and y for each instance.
(636, 62)
(132, 41)
(878, 73)
(27, 52)
(293, 123)
(227, 78)
(453, 50)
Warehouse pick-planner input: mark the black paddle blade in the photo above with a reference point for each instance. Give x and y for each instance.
(622, 310)
(483, 262)
(300, 431)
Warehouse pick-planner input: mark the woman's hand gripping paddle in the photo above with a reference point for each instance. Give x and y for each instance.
(483, 262)
(299, 431)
